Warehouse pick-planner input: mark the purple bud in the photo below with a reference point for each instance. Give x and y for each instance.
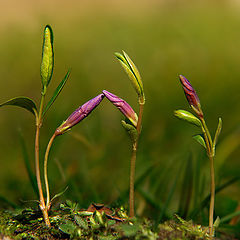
(191, 95)
(79, 114)
(123, 106)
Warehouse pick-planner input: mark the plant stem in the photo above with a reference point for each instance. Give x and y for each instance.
(211, 209)
(38, 176)
(45, 170)
(133, 162)
(132, 177)
(210, 153)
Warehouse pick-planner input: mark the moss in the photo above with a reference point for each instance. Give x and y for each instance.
(96, 223)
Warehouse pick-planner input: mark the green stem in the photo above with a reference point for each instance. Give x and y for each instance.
(210, 153)
(211, 209)
(133, 162)
(37, 168)
(48, 204)
(132, 177)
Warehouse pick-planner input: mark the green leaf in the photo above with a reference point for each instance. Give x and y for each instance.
(186, 189)
(170, 195)
(81, 222)
(131, 130)
(187, 116)
(218, 131)
(46, 69)
(31, 175)
(68, 227)
(132, 73)
(59, 194)
(23, 102)
(206, 200)
(7, 202)
(129, 230)
(57, 92)
(199, 138)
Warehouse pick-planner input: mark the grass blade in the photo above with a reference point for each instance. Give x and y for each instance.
(187, 188)
(31, 176)
(205, 202)
(57, 92)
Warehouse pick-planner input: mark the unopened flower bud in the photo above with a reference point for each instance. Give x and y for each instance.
(79, 114)
(47, 57)
(191, 96)
(123, 106)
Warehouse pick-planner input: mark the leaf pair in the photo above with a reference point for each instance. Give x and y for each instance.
(29, 104)
(133, 74)
(190, 118)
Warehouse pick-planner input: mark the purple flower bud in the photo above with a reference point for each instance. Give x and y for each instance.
(191, 96)
(123, 106)
(79, 114)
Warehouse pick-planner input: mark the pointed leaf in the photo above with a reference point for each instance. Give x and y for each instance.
(187, 189)
(131, 130)
(31, 175)
(187, 116)
(199, 138)
(218, 131)
(57, 92)
(59, 194)
(23, 102)
(133, 74)
(206, 200)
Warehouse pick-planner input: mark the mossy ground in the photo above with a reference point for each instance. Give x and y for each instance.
(96, 223)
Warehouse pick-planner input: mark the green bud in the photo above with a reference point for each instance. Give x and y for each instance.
(133, 74)
(187, 116)
(46, 69)
(131, 130)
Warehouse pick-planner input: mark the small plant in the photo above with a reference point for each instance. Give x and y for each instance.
(133, 131)
(46, 72)
(204, 139)
(132, 124)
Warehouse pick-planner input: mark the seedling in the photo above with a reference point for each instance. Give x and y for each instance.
(204, 139)
(133, 128)
(82, 112)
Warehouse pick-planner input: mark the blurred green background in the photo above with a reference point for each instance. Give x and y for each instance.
(165, 38)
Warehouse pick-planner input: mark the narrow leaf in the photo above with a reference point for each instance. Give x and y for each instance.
(57, 92)
(206, 200)
(187, 189)
(132, 73)
(187, 116)
(31, 176)
(218, 131)
(7, 202)
(199, 138)
(59, 194)
(23, 102)
(170, 195)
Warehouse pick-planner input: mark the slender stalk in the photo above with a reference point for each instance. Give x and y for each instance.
(133, 163)
(132, 177)
(211, 209)
(210, 153)
(37, 167)
(45, 170)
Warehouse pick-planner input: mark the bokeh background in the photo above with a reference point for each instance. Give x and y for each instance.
(165, 38)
